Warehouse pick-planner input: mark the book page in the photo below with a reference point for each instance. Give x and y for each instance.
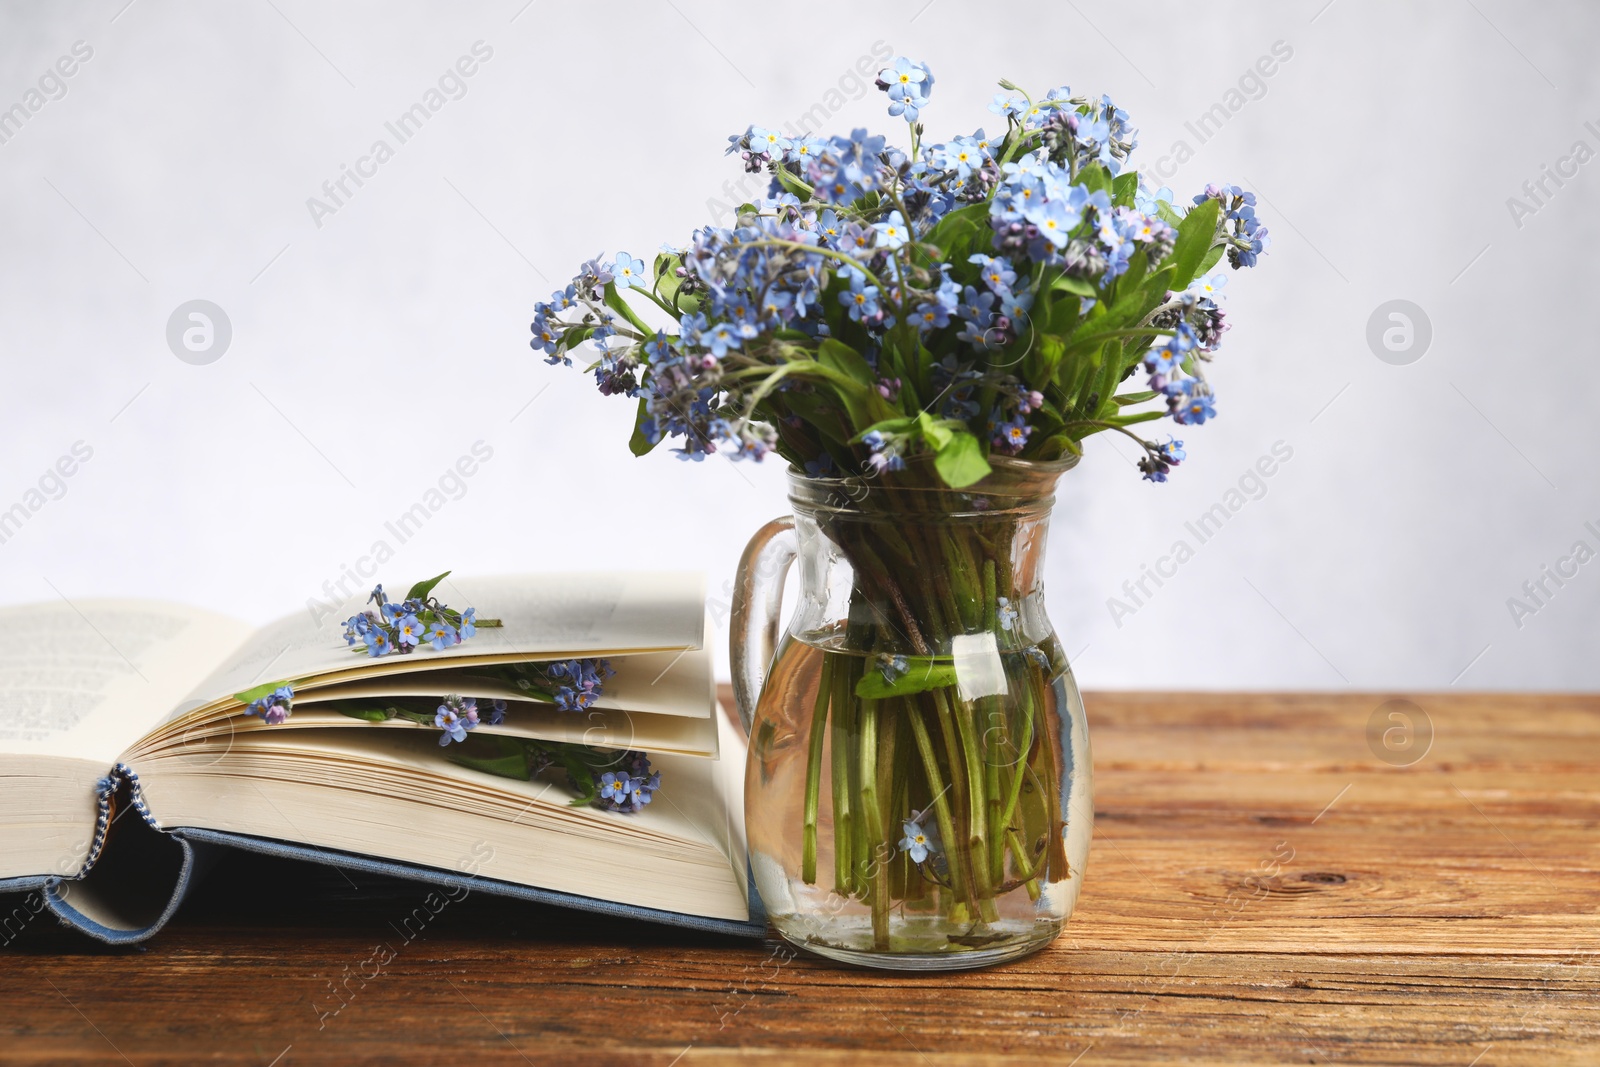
(544, 615)
(655, 683)
(85, 680)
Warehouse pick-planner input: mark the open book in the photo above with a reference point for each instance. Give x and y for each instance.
(119, 719)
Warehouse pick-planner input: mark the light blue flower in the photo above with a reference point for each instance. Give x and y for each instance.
(408, 631)
(615, 786)
(893, 231)
(917, 841)
(1005, 613)
(1054, 219)
(455, 717)
(720, 338)
(629, 272)
(996, 272)
(441, 635)
(378, 642)
(1010, 105)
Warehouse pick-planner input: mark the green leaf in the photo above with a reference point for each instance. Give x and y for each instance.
(1040, 364)
(1129, 420)
(1095, 178)
(1058, 446)
(841, 357)
(421, 590)
(936, 435)
(614, 300)
(1211, 259)
(1127, 399)
(1195, 234)
(960, 232)
(922, 674)
(1124, 187)
(961, 462)
(639, 444)
(793, 184)
(819, 413)
(1078, 286)
(860, 397)
(258, 692)
(503, 756)
(365, 714)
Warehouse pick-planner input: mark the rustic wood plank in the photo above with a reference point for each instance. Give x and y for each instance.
(1444, 913)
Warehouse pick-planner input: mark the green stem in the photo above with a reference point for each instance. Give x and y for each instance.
(872, 822)
(941, 808)
(843, 835)
(819, 724)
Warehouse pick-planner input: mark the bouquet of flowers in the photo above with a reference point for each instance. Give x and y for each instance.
(929, 332)
(979, 296)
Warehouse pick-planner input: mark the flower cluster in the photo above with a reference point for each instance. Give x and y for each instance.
(457, 715)
(908, 85)
(571, 684)
(274, 707)
(981, 296)
(404, 626)
(630, 788)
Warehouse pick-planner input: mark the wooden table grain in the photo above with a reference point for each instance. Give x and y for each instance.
(1263, 888)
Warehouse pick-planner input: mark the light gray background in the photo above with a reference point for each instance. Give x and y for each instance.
(372, 351)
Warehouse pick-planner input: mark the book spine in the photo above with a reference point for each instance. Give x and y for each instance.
(105, 800)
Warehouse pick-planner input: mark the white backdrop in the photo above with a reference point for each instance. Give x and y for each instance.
(375, 344)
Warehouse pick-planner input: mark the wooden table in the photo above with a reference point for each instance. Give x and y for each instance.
(1441, 913)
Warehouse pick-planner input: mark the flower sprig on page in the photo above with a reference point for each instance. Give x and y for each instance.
(402, 627)
(609, 779)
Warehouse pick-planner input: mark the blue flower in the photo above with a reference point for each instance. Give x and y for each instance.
(378, 642)
(820, 467)
(980, 333)
(569, 698)
(892, 232)
(770, 143)
(593, 274)
(917, 841)
(1054, 218)
(996, 272)
(1160, 459)
(932, 316)
(630, 789)
(861, 299)
(1191, 403)
(274, 708)
(908, 85)
(615, 786)
(891, 667)
(720, 338)
(1011, 436)
(1010, 105)
(408, 631)
(1168, 357)
(469, 623)
(441, 635)
(1005, 613)
(629, 272)
(455, 717)
(497, 712)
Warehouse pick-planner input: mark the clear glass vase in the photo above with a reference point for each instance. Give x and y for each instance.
(918, 792)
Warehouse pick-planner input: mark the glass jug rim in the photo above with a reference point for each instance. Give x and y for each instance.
(1012, 488)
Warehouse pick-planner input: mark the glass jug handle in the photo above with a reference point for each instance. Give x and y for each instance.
(757, 598)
